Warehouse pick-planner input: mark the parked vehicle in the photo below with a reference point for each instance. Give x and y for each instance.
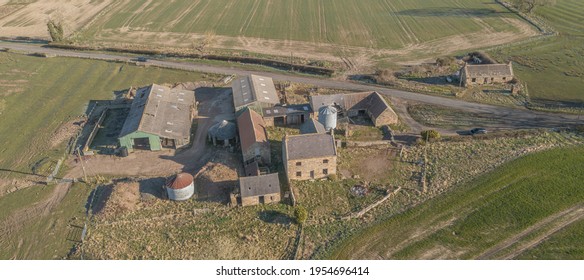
(478, 130)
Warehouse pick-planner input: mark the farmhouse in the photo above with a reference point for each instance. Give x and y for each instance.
(371, 104)
(309, 156)
(260, 189)
(486, 74)
(253, 137)
(286, 114)
(255, 92)
(160, 117)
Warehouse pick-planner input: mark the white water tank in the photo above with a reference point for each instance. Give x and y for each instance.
(181, 187)
(327, 116)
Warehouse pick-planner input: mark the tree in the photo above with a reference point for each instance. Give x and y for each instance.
(300, 214)
(430, 134)
(529, 6)
(55, 30)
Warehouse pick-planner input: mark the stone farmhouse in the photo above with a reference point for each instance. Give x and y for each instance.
(482, 74)
(253, 137)
(309, 156)
(254, 190)
(371, 104)
(160, 117)
(254, 92)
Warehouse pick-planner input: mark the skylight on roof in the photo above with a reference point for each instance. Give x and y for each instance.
(265, 97)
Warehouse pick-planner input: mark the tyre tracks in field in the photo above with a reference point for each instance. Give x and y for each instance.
(533, 235)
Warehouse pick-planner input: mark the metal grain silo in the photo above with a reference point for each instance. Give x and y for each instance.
(327, 116)
(181, 187)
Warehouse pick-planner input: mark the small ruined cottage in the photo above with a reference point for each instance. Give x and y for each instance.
(482, 74)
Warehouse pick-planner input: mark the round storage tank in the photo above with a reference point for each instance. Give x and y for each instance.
(327, 116)
(181, 187)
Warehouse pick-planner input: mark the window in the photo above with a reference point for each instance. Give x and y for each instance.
(325, 161)
(298, 174)
(325, 171)
(474, 80)
(504, 78)
(298, 163)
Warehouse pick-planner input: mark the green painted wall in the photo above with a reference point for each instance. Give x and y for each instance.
(128, 140)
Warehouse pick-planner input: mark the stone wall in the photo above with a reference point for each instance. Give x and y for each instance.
(386, 118)
(484, 81)
(311, 168)
(261, 149)
(255, 200)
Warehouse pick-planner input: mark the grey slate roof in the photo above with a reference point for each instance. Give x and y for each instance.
(280, 111)
(371, 101)
(161, 111)
(259, 185)
(312, 126)
(307, 146)
(250, 89)
(488, 70)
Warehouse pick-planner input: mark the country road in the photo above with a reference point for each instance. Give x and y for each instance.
(509, 117)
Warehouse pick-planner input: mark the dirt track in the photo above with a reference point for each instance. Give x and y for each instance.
(555, 223)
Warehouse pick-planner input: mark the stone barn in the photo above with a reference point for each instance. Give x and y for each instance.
(284, 115)
(262, 189)
(371, 104)
(309, 156)
(160, 117)
(483, 74)
(255, 92)
(253, 137)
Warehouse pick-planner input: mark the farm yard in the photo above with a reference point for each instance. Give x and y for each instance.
(308, 28)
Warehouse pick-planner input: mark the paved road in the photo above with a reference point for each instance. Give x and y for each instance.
(510, 118)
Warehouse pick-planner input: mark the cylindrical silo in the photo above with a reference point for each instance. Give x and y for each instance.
(327, 116)
(181, 187)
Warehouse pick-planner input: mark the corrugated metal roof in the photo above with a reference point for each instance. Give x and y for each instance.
(161, 111)
(280, 111)
(252, 129)
(308, 146)
(488, 70)
(259, 185)
(249, 89)
(180, 181)
(312, 126)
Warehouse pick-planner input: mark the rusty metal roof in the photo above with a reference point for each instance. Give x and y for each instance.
(161, 111)
(252, 129)
(180, 181)
(259, 185)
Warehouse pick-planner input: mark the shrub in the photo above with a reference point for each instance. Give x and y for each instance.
(300, 214)
(445, 61)
(430, 134)
(333, 177)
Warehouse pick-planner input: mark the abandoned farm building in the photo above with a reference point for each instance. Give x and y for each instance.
(486, 74)
(160, 117)
(253, 137)
(293, 114)
(312, 126)
(371, 104)
(260, 189)
(253, 91)
(309, 156)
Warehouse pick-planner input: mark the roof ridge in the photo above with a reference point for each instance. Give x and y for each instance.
(145, 105)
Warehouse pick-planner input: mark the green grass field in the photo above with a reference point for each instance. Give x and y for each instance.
(567, 244)
(464, 223)
(367, 23)
(553, 68)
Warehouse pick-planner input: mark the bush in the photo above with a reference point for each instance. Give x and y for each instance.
(333, 177)
(430, 134)
(300, 214)
(445, 61)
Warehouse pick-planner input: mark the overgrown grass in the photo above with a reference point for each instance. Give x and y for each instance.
(567, 244)
(477, 215)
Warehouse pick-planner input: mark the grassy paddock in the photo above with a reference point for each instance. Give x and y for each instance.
(479, 214)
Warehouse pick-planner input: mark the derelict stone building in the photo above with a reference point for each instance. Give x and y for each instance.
(253, 137)
(371, 104)
(255, 92)
(160, 117)
(282, 115)
(262, 189)
(482, 74)
(309, 156)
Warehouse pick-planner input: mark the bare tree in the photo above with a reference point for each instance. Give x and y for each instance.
(529, 6)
